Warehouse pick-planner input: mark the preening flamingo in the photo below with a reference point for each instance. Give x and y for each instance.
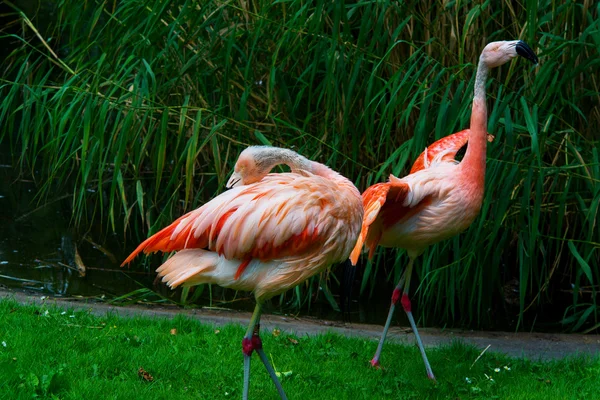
(267, 234)
(440, 197)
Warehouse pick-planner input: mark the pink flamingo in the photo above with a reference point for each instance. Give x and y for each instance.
(266, 235)
(440, 197)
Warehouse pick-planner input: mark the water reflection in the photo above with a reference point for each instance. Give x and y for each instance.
(38, 248)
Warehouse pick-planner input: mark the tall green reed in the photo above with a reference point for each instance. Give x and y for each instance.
(139, 109)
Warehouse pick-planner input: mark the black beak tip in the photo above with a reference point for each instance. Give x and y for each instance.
(227, 187)
(525, 51)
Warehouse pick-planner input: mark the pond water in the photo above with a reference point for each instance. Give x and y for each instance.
(37, 246)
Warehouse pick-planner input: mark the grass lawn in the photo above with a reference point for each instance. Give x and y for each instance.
(49, 352)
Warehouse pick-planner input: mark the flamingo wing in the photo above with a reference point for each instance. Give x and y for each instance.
(378, 198)
(283, 215)
(446, 148)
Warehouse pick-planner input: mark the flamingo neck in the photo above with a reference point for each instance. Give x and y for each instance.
(474, 159)
(326, 172)
(267, 160)
(480, 80)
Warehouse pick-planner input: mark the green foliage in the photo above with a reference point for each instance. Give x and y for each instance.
(139, 109)
(87, 357)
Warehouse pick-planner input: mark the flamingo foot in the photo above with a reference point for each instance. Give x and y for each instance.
(375, 363)
(431, 377)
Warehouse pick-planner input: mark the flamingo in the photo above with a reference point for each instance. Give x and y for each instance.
(267, 234)
(439, 198)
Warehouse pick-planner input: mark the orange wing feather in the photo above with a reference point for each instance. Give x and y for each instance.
(241, 268)
(376, 200)
(236, 213)
(451, 143)
(162, 241)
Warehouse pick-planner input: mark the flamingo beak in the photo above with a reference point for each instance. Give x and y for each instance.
(525, 51)
(234, 180)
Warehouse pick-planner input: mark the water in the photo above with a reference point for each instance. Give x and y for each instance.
(31, 246)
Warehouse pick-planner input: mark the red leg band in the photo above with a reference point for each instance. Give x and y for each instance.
(406, 302)
(395, 296)
(247, 346)
(256, 342)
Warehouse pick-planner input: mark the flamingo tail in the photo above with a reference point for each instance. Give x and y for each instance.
(358, 247)
(373, 199)
(166, 241)
(189, 267)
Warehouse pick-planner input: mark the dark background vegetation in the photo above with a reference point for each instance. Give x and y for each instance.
(137, 110)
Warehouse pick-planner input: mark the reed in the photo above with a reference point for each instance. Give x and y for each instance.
(140, 108)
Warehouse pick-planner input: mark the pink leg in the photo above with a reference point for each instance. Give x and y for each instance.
(268, 366)
(248, 348)
(407, 308)
(395, 298)
(251, 342)
(401, 293)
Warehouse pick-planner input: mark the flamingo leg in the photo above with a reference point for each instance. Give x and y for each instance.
(395, 297)
(407, 308)
(404, 286)
(252, 342)
(248, 347)
(246, 377)
(271, 372)
(406, 304)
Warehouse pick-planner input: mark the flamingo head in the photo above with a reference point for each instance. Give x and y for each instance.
(249, 167)
(498, 53)
(255, 162)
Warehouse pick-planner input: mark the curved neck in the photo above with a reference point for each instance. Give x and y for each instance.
(474, 159)
(272, 156)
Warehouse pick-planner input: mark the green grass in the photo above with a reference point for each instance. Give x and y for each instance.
(138, 110)
(60, 354)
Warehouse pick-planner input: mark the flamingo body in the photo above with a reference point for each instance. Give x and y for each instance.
(267, 234)
(281, 230)
(432, 203)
